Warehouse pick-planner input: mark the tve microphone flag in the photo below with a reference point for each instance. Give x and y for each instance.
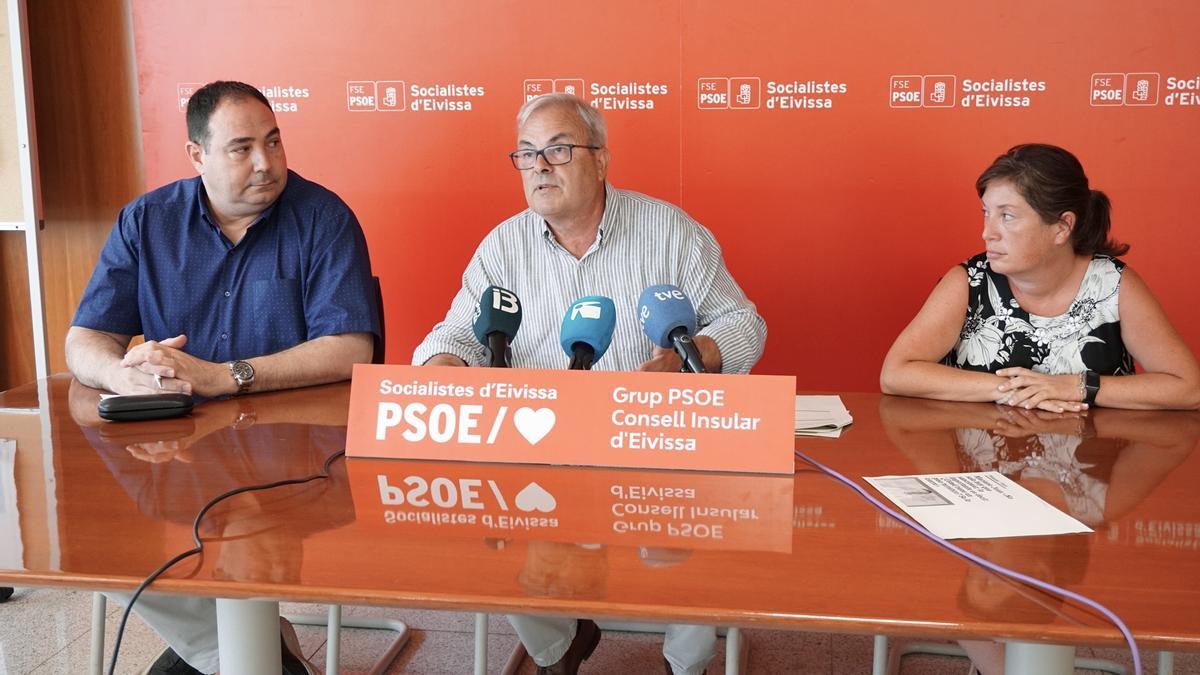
(497, 319)
(669, 320)
(587, 330)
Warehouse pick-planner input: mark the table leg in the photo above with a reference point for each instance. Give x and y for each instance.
(1166, 663)
(248, 635)
(481, 643)
(1030, 657)
(879, 657)
(733, 639)
(99, 605)
(333, 640)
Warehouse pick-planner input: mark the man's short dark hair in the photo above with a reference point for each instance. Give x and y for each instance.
(207, 98)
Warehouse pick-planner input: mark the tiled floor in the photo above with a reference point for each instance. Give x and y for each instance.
(46, 632)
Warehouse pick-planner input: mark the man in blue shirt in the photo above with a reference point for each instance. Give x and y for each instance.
(246, 278)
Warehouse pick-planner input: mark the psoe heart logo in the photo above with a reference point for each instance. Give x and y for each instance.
(534, 424)
(534, 497)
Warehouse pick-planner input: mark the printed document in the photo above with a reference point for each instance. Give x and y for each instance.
(821, 416)
(978, 505)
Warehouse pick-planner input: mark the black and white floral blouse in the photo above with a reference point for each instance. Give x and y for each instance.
(997, 333)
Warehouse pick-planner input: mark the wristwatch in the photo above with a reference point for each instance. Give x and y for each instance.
(243, 375)
(1091, 387)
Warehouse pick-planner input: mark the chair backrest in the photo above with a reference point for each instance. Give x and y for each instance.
(380, 340)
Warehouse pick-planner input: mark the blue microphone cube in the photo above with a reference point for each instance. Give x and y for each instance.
(499, 311)
(590, 320)
(661, 310)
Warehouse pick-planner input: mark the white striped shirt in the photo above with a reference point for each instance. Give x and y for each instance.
(641, 242)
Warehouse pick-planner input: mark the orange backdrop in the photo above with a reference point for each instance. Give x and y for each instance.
(832, 149)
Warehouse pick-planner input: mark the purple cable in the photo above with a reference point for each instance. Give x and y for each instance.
(987, 564)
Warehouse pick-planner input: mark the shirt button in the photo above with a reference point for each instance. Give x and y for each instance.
(227, 294)
(224, 336)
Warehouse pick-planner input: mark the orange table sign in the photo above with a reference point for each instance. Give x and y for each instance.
(662, 509)
(740, 423)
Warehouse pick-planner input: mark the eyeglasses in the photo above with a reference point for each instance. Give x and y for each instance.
(555, 155)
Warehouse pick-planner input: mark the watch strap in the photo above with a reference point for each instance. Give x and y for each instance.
(1091, 386)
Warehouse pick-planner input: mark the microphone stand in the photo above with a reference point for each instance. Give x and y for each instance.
(689, 356)
(582, 356)
(498, 354)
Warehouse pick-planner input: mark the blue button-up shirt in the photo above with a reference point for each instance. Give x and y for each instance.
(300, 272)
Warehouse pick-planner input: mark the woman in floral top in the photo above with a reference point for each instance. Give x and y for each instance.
(1046, 317)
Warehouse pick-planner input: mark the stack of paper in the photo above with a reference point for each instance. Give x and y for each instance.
(978, 505)
(821, 416)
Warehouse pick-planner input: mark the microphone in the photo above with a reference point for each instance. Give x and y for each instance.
(497, 319)
(668, 319)
(587, 330)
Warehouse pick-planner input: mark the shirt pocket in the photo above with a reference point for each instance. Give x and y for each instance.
(277, 312)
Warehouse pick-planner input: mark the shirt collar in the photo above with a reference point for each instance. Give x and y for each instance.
(608, 220)
(202, 201)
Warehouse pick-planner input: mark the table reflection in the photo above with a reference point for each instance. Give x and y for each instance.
(171, 468)
(1098, 466)
(658, 510)
(101, 505)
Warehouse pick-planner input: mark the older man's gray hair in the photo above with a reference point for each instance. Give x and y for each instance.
(592, 120)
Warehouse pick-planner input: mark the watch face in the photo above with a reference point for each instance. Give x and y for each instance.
(242, 371)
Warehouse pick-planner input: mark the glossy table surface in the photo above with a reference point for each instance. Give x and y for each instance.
(96, 505)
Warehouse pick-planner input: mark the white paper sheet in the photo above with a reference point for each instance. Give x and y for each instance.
(821, 416)
(977, 505)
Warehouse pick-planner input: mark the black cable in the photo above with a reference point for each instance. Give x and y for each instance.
(199, 545)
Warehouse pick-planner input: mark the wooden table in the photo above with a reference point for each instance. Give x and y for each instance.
(99, 505)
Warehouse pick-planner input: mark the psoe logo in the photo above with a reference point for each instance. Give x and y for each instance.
(905, 91)
(1106, 89)
(1123, 89)
(922, 91)
(572, 86)
(463, 424)
(712, 93)
(538, 87)
(391, 96)
(535, 87)
(745, 92)
(938, 91)
(534, 497)
(720, 93)
(465, 493)
(360, 96)
(184, 91)
(1141, 89)
(588, 309)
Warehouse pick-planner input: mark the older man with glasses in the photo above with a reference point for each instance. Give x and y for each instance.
(581, 236)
